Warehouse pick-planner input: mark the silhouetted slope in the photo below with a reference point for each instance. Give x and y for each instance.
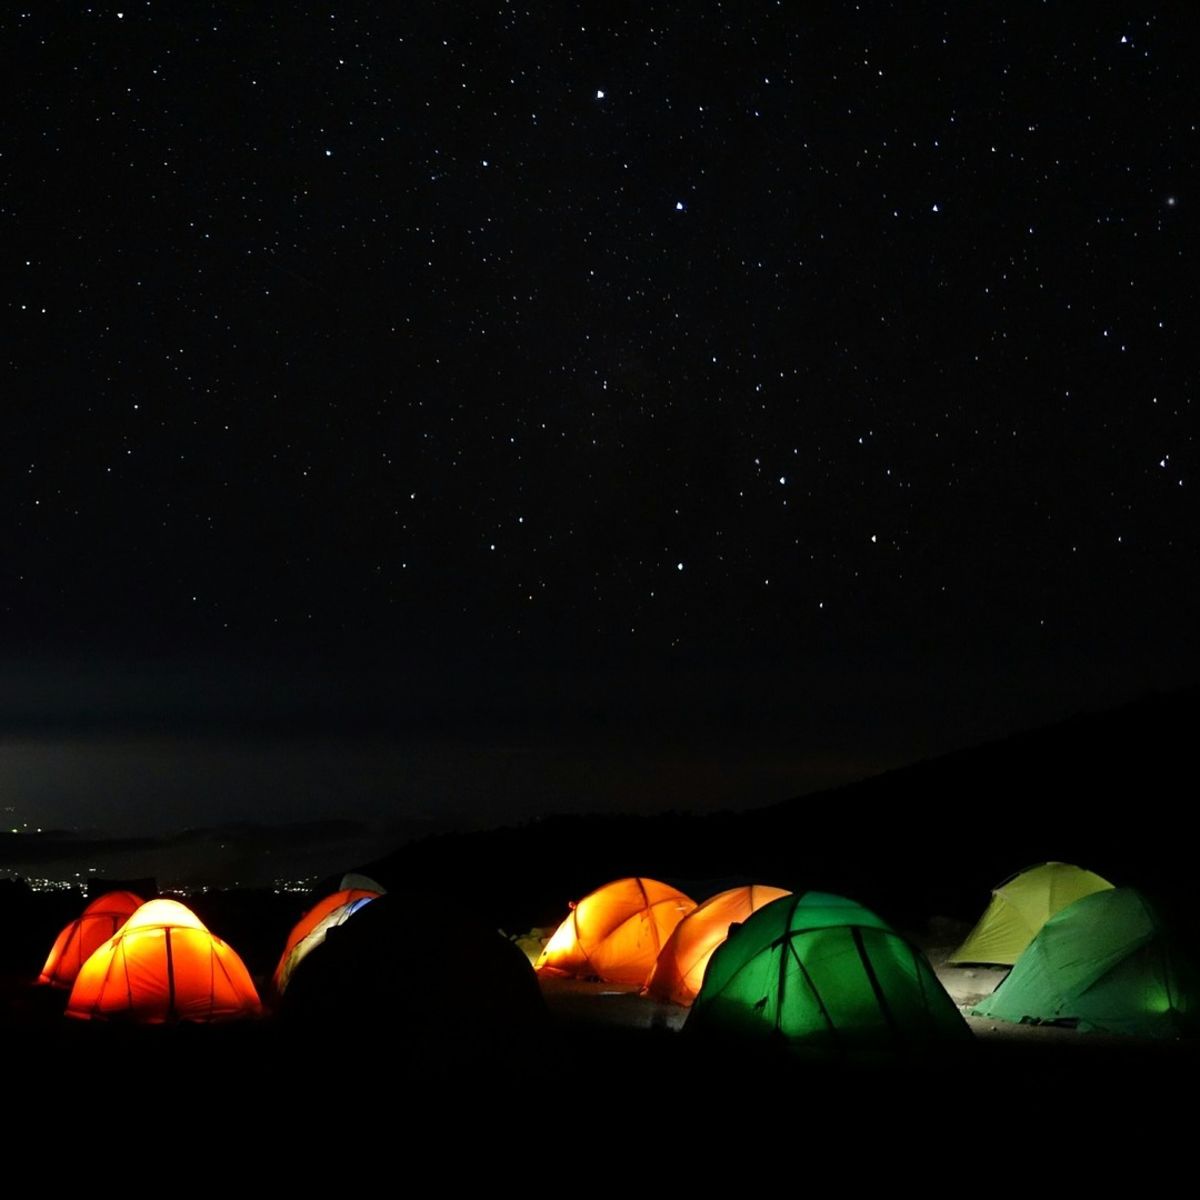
(1110, 791)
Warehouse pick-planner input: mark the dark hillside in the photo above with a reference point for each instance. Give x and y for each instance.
(1112, 791)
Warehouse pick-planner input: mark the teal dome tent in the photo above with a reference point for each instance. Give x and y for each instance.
(824, 974)
(1103, 963)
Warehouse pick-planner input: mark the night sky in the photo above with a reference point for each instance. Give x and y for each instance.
(775, 391)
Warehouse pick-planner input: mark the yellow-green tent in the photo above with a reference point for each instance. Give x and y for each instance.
(1020, 906)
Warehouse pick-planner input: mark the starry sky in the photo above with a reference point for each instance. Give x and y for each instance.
(808, 385)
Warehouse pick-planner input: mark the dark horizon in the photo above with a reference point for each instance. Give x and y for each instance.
(155, 748)
(1107, 755)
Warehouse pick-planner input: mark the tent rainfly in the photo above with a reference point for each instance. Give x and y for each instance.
(399, 971)
(823, 974)
(1103, 963)
(89, 931)
(161, 966)
(310, 931)
(679, 971)
(616, 932)
(1020, 906)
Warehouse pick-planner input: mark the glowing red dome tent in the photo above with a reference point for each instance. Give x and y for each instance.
(87, 933)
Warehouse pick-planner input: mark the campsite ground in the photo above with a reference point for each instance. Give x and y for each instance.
(575, 1002)
(610, 1005)
(606, 1090)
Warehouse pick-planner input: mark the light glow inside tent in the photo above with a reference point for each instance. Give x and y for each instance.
(163, 966)
(1020, 906)
(1105, 963)
(823, 974)
(679, 970)
(87, 933)
(616, 932)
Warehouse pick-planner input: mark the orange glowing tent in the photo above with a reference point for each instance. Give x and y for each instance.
(616, 932)
(163, 965)
(679, 971)
(309, 932)
(89, 931)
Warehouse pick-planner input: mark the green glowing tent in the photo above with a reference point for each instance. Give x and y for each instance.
(825, 974)
(1020, 906)
(1103, 963)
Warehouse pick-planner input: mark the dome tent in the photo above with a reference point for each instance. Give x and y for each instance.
(1020, 906)
(679, 970)
(825, 974)
(616, 932)
(310, 931)
(1103, 963)
(393, 970)
(533, 942)
(163, 965)
(356, 880)
(89, 931)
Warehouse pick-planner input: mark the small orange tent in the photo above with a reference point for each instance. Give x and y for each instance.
(90, 930)
(616, 932)
(163, 965)
(309, 932)
(679, 971)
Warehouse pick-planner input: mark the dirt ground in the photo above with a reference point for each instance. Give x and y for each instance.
(603, 1094)
(616, 1007)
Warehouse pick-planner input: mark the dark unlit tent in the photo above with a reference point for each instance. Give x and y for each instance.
(392, 967)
